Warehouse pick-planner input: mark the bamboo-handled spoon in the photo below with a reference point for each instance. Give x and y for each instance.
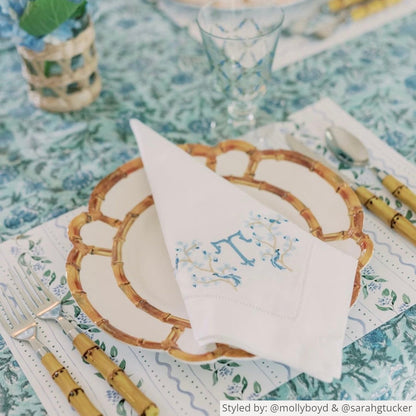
(348, 149)
(378, 207)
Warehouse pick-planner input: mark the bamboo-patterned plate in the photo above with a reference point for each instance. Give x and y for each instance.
(119, 271)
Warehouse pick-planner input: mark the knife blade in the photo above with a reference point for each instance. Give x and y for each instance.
(378, 207)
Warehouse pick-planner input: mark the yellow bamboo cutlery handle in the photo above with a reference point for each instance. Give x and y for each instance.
(390, 216)
(73, 392)
(337, 5)
(115, 376)
(374, 6)
(362, 9)
(400, 191)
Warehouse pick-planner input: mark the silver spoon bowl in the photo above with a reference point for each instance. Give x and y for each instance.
(346, 147)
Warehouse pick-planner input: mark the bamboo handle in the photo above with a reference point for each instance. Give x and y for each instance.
(362, 11)
(115, 376)
(337, 5)
(387, 214)
(73, 392)
(400, 191)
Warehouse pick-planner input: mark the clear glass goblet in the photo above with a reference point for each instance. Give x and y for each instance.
(240, 40)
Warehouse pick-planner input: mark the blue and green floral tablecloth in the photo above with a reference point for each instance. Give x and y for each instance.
(155, 71)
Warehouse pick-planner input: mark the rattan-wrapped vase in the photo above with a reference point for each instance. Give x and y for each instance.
(63, 77)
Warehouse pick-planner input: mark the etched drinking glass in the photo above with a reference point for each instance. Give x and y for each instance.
(240, 40)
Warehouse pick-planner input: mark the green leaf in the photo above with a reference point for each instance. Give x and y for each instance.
(230, 397)
(383, 308)
(369, 276)
(82, 9)
(120, 408)
(113, 352)
(237, 379)
(206, 366)
(385, 292)
(47, 273)
(406, 299)
(365, 291)
(233, 364)
(66, 299)
(393, 297)
(77, 311)
(245, 384)
(122, 364)
(214, 377)
(99, 375)
(52, 279)
(257, 387)
(42, 17)
(409, 214)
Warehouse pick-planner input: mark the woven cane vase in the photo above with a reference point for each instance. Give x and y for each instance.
(63, 77)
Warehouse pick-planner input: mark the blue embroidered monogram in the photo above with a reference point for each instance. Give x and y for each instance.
(266, 242)
(229, 240)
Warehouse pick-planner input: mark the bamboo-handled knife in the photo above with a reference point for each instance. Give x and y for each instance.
(374, 204)
(397, 188)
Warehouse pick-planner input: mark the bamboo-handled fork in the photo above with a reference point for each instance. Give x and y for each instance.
(46, 306)
(19, 323)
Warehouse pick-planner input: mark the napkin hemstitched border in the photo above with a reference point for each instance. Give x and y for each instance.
(251, 306)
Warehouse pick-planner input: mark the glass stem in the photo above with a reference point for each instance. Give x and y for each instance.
(242, 111)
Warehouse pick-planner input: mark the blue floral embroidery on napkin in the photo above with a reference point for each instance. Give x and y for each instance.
(261, 239)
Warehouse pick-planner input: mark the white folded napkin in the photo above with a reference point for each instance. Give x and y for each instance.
(248, 277)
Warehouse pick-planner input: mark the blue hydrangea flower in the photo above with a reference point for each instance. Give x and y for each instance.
(374, 286)
(396, 138)
(403, 307)
(202, 126)
(7, 174)
(397, 371)
(6, 25)
(375, 340)
(113, 396)
(309, 75)
(31, 42)
(78, 181)
(234, 388)
(344, 395)
(12, 10)
(6, 137)
(225, 371)
(57, 211)
(410, 82)
(182, 78)
(355, 88)
(384, 393)
(19, 217)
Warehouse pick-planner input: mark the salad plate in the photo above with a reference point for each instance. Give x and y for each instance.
(119, 271)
